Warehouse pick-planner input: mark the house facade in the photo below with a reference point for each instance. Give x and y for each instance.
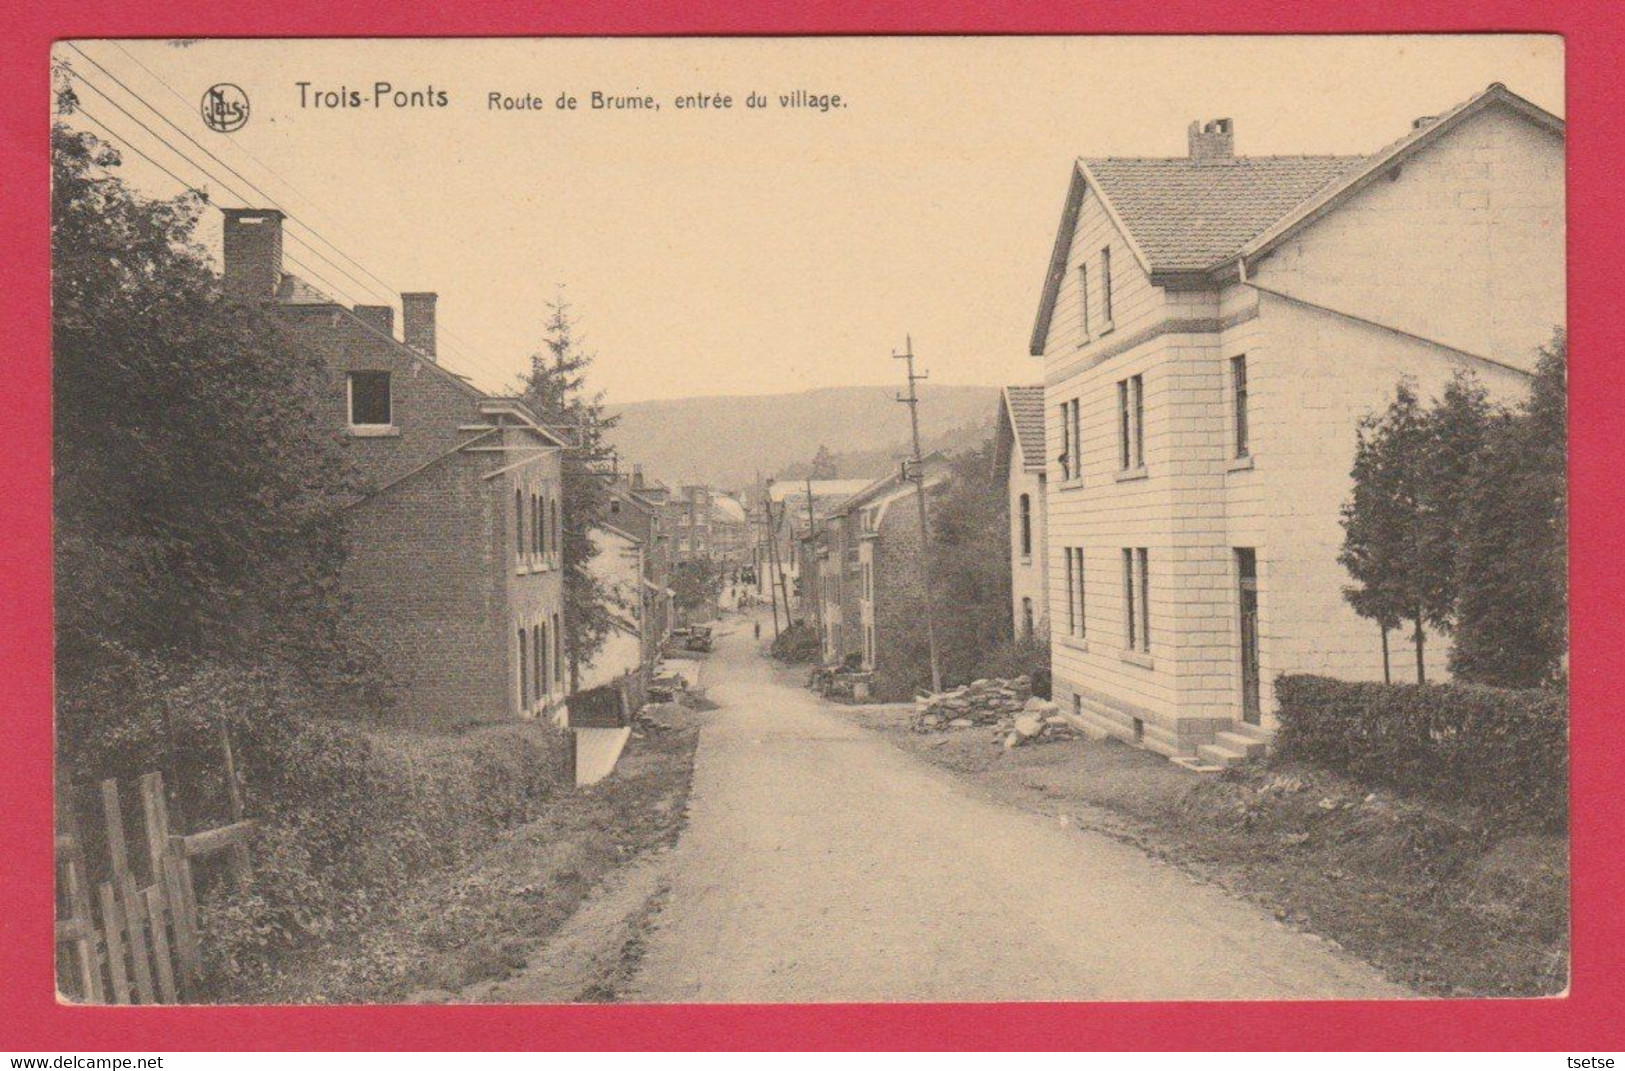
(453, 572)
(1019, 468)
(868, 564)
(1212, 328)
(619, 568)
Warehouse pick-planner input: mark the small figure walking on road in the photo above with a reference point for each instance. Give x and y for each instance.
(758, 630)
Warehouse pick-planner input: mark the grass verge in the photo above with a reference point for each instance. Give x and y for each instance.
(479, 922)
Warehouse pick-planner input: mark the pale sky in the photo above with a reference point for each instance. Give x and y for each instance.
(752, 251)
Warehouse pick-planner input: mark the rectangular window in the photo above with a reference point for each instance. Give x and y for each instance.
(369, 399)
(1106, 286)
(538, 655)
(519, 523)
(1136, 598)
(524, 672)
(1131, 422)
(558, 648)
(1066, 444)
(1137, 388)
(1026, 525)
(544, 682)
(1071, 604)
(537, 544)
(1124, 431)
(1075, 616)
(1083, 304)
(1238, 385)
(1071, 440)
(1143, 580)
(1077, 440)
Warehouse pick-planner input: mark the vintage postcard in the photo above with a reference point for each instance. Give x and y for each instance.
(810, 520)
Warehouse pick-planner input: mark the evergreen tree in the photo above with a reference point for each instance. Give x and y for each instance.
(556, 390)
(1512, 616)
(824, 465)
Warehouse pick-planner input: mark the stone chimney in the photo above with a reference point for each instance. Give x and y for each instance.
(381, 318)
(1213, 141)
(417, 322)
(251, 248)
(637, 477)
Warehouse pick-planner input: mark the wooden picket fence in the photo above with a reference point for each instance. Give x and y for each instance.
(134, 939)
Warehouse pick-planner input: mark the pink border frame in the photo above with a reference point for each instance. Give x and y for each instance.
(1593, 1015)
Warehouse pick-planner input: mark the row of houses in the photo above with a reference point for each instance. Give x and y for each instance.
(455, 571)
(1211, 329)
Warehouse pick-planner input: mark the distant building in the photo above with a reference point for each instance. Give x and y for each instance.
(1019, 464)
(867, 560)
(1212, 328)
(454, 571)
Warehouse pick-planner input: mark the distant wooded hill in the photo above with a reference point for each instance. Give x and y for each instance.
(727, 441)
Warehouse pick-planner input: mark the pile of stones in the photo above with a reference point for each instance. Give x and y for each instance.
(981, 702)
(1016, 716)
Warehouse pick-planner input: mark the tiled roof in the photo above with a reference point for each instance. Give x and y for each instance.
(1027, 417)
(1189, 215)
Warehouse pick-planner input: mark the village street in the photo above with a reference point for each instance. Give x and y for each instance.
(820, 863)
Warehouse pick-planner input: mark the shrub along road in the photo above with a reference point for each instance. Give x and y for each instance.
(820, 863)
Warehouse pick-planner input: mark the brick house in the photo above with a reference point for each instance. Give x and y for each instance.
(1212, 328)
(1018, 462)
(633, 508)
(453, 572)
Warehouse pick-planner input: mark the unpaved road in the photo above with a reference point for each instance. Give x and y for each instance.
(820, 863)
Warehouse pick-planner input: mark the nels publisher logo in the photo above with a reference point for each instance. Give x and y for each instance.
(225, 108)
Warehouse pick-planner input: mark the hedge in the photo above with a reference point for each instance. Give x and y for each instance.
(349, 815)
(1502, 750)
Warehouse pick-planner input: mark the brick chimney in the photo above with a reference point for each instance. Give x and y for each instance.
(1213, 141)
(381, 318)
(252, 251)
(417, 322)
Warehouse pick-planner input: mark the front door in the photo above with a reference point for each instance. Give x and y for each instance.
(1247, 599)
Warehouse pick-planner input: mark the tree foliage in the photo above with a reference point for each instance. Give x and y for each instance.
(697, 583)
(1458, 520)
(970, 575)
(1402, 523)
(1512, 562)
(824, 465)
(197, 515)
(557, 391)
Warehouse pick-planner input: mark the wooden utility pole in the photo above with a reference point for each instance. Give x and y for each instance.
(772, 590)
(912, 400)
(806, 594)
(778, 565)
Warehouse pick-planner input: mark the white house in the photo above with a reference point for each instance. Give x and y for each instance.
(619, 564)
(1018, 458)
(1212, 328)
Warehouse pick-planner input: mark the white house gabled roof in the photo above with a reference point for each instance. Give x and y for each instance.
(1183, 217)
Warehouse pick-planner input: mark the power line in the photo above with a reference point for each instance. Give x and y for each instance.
(125, 141)
(240, 148)
(388, 298)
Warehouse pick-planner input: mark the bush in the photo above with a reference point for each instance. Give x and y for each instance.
(1502, 750)
(348, 816)
(797, 645)
(1028, 656)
